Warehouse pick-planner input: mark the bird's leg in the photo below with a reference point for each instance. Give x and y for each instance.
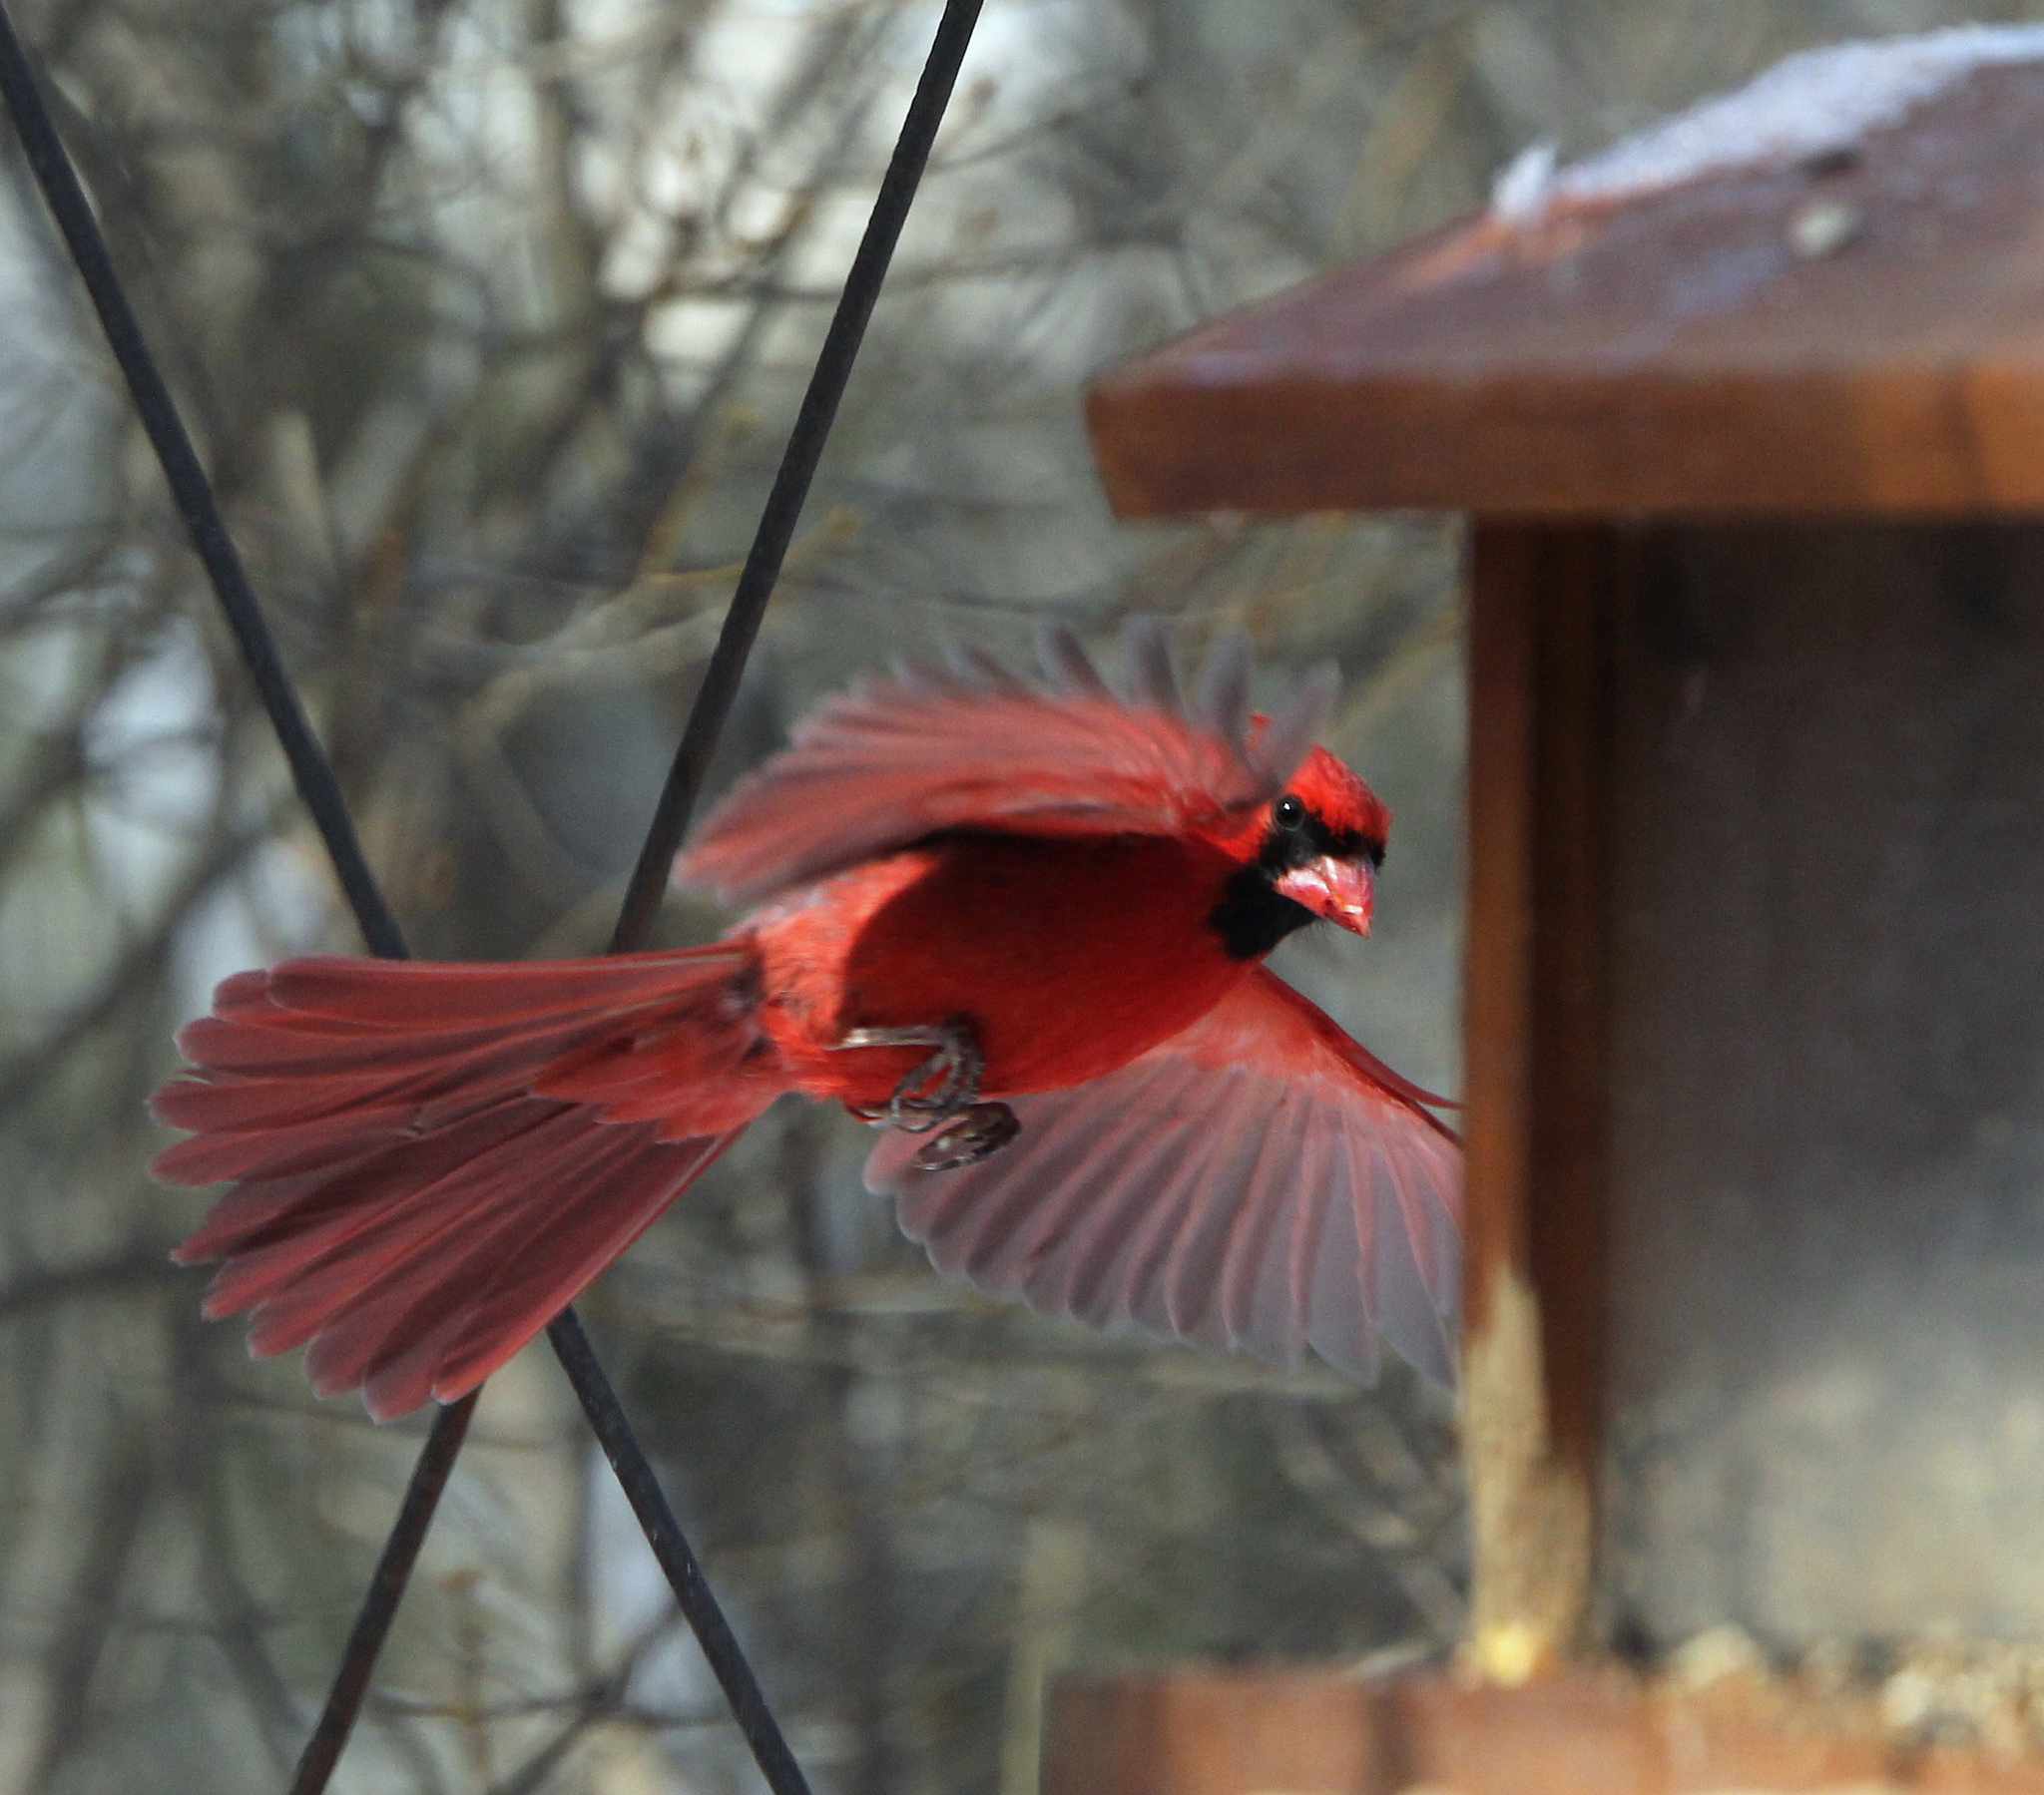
(937, 1089)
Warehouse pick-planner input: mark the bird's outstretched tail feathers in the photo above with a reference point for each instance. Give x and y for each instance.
(431, 1160)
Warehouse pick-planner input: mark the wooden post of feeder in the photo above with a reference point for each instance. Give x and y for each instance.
(1756, 463)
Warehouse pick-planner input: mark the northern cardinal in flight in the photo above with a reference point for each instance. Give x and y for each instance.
(1019, 926)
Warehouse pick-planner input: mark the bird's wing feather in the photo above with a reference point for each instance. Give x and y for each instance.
(973, 747)
(1261, 1182)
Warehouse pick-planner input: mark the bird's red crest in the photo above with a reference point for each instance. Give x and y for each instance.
(1340, 799)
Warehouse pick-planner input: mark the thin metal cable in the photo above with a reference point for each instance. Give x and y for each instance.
(379, 1602)
(798, 461)
(193, 494)
(692, 1595)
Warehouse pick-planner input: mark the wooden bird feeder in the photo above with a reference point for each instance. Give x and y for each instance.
(1749, 416)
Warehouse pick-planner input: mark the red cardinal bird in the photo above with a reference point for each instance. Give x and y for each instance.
(1017, 925)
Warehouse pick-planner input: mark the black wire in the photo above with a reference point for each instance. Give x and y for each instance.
(193, 493)
(692, 1595)
(798, 467)
(678, 796)
(313, 776)
(379, 1602)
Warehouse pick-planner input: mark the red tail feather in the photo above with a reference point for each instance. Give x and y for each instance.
(431, 1160)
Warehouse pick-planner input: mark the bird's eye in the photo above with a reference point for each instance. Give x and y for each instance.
(1288, 812)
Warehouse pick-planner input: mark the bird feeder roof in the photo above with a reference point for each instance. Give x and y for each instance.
(1824, 293)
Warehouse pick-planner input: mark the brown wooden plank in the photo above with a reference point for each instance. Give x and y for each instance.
(1534, 1065)
(1683, 352)
(1593, 1734)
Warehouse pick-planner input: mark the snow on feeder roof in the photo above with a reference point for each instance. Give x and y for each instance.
(1815, 105)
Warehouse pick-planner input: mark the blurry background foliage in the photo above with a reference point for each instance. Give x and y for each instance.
(491, 315)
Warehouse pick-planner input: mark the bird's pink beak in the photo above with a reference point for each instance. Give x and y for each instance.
(1341, 891)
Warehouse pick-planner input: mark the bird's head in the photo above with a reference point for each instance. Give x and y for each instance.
(1313, 854)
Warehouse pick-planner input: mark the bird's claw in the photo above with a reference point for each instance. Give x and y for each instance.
(940, 1098)
(941, 1087)
(968, 1137)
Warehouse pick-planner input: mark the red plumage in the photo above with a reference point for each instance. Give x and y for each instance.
(428, 1161)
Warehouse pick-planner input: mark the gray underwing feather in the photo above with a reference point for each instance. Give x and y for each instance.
(974, 666)
(1295, 728)
(1066, 664)
(1147, 650)
(1223, 704)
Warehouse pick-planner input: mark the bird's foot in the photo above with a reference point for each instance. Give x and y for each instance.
(942, 1087)
(968, 1137)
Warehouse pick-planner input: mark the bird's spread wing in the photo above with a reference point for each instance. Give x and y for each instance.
(973, 747)
(1261, 1182)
